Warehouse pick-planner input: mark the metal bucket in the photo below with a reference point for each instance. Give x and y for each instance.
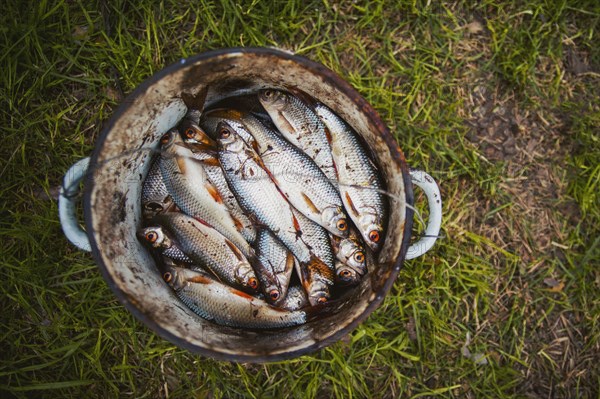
(120, 162)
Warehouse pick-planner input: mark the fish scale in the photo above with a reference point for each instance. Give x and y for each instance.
(192, 191)
(300, 126)
(225, 305)
(215, 175)
(258, 195)
(208, 248)
(155, 196)
(298, 177)
(359, 181)
(277, 259)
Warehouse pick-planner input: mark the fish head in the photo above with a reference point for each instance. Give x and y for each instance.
(169, 139)
(154, 236)
(334, 219)
(273, 294)
(228, 138)
(352, 254)
(371, 229)
(155, 207)
(245, 276)
(174, 276)
(318, 292)
(346, 275)
(195, 137)
(273, 99)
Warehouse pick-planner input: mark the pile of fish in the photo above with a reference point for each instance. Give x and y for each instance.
(262, 208)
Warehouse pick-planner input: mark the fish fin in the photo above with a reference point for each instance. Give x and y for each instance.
(180, 164)
(316, 266)
(241, 294)
(225, 113)
(238, 223)
(290, 262)
(352, 207)
(328, 135)
(212, 190)
(313, 268)
(212, 161)
(200, 279)
(286, 124)
(310, 204)
(195, 101)
(255, 146)
(238, 254)
(296, 226)
(210, 148)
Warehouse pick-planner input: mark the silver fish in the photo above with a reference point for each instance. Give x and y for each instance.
(193, 192)
(316, 278)
(203, 147)
(207, 247)
(278, 261)
(225, 305)
(359, 181)
(258, 194)
(155, 196)
(297, 176)
(156, 237)
(352, 262)
(301, 126)
(345, 275)
(295, 299)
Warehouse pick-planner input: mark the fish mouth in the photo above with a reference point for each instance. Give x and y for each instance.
(206, 145)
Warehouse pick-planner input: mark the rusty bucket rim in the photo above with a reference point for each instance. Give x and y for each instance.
(346, 89)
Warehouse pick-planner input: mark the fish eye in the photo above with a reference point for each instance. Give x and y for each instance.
(190, 133)
(165, 138)
(224, 132)
(167, 277)
(253, 283)
(344, 274)
(342, 225)
(274, 295)
(322, 299)
(151, 237)
(374, 236)
(359, 256)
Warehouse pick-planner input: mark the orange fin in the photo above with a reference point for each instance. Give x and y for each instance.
(212, 161)
(181, 164)
(316, 266)
(225, 113)
(213, 192)
(328, 135)
(202, 147)
(352, 207)
(240, 294)
(296, 226)
(204, 222)
(310, 204)
(200, 279)
(238, 223)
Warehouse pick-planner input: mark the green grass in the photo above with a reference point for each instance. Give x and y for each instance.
(517, 269)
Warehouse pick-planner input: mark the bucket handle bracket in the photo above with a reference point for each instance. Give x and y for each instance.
(67, 205)
(434, 222)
